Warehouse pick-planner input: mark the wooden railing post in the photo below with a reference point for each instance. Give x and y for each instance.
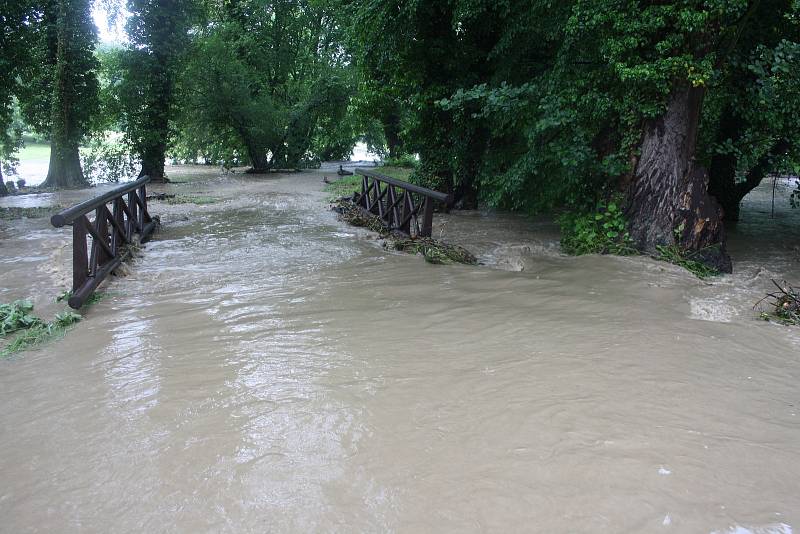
(80, 261)
(427, 219)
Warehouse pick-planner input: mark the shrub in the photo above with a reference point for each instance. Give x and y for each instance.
(603, 231)
(407, 161)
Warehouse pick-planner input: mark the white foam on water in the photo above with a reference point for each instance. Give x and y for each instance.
(776, 528)
(711, 310)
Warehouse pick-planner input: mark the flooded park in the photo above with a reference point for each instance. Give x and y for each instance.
(264, 367)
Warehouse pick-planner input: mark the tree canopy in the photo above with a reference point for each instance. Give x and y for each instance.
(673, 110)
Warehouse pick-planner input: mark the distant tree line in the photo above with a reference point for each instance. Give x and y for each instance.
(673, 109)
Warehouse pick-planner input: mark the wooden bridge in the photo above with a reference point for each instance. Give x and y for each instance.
(111, 232)
(403, 207)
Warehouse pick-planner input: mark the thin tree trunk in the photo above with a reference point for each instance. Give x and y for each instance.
(668, 201)
(722, 181)
(391, 130)
(3, 188)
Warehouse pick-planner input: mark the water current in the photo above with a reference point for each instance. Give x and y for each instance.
(263, 367)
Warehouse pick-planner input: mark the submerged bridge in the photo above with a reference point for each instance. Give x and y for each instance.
(401, 206)
(112, 232)
(104, 228)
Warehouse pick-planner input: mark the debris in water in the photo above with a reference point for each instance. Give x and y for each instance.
(783, 305)
(434, 251)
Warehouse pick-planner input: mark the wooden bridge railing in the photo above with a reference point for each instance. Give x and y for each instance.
(110, 232)
(399, 204)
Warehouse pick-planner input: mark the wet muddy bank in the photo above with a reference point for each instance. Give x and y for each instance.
(265, 367)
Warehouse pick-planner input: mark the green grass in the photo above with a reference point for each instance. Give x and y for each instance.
(34, 152)
(347, 185)
(674, 255)
(28, 213)
(185, 199)
(401, 173)
(343, 187)
(41, 333)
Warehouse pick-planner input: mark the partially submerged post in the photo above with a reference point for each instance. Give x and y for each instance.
(111, 232)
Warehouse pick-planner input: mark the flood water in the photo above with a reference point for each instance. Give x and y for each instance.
(265, 368)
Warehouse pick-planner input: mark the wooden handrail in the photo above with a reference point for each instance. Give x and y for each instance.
(424, 191)
(68, 215)
(111, 232)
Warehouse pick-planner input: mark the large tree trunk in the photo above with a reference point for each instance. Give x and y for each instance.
(153, 163)
(467, 191)
(3, 188)
(258, 159)
(65, 167)
(668, 200)
(157, 110)
(65, 163)
(391, 130)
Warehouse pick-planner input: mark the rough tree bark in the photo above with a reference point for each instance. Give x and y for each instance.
(65, 166)
(258, 159)
(668, 200)
(153, 163)
(3, 189)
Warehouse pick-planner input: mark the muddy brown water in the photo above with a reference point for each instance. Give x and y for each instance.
(265, 368)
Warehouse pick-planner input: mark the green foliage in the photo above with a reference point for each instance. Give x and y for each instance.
(406, 161)
(541, 104)
(602, 231)
(106, 160)
(31, 330)
(18, 20)
(158, 33)
(17, 316)
(270, 83)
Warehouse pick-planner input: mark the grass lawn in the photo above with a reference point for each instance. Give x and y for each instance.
(347, 185)
(34, 152)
